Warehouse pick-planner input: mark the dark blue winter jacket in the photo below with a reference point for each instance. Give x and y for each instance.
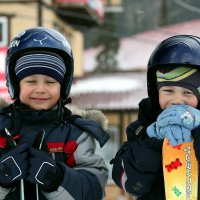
(137, 166)
(70, 140)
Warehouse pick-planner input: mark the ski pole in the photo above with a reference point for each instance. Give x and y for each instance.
(40, 146)
(21, 181)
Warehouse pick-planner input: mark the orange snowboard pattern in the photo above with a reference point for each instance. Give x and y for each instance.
(180, 169)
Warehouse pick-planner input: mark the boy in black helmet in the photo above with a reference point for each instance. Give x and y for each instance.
(171, 112)
(46, 151)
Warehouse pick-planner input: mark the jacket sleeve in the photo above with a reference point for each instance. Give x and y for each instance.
(138, 163)
(196, 136)
(87, 180)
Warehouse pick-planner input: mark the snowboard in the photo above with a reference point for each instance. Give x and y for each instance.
(180, 169)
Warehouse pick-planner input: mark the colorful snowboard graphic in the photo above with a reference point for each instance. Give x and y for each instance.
(180, 169)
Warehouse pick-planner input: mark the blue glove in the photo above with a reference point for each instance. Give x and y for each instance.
(182, 115)
(176, 134)
(13, 165)
(43, 170)
(153, 131)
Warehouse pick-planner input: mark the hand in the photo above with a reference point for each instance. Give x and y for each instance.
(152, 131)
(176, 134)
(183, 115)
(13, 165)
(43, 170)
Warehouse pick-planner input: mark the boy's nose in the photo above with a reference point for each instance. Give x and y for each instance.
(40, 87)
(178, 101)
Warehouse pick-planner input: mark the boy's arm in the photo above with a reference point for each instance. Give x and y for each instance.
(196, 136)
(87, 180)
(137, 165)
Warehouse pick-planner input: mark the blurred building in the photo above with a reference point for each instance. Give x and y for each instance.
(17, 15)
(118, 93)
(64, 16)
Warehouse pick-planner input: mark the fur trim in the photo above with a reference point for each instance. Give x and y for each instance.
(4, 103)
(92, 114)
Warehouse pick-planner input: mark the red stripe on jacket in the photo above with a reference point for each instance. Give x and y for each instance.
(69, 148)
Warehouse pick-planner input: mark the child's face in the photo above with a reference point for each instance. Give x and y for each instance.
(174, 95)
(39, 91)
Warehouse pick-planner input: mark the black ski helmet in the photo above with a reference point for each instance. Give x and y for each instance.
(39, 39)
(178, 50)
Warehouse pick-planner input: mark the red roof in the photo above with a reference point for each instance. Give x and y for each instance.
(90, 12)
(135, 51)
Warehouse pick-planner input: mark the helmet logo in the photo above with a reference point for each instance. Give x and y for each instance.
(40, 40)
(14, 43)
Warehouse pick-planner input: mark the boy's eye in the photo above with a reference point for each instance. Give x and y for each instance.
(167, 90)
(30, 81)
(50, 82)
(189, 92)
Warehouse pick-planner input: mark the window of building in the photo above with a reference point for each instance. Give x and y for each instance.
(3, 31)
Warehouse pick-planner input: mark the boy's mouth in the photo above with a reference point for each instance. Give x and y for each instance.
(37, 99)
